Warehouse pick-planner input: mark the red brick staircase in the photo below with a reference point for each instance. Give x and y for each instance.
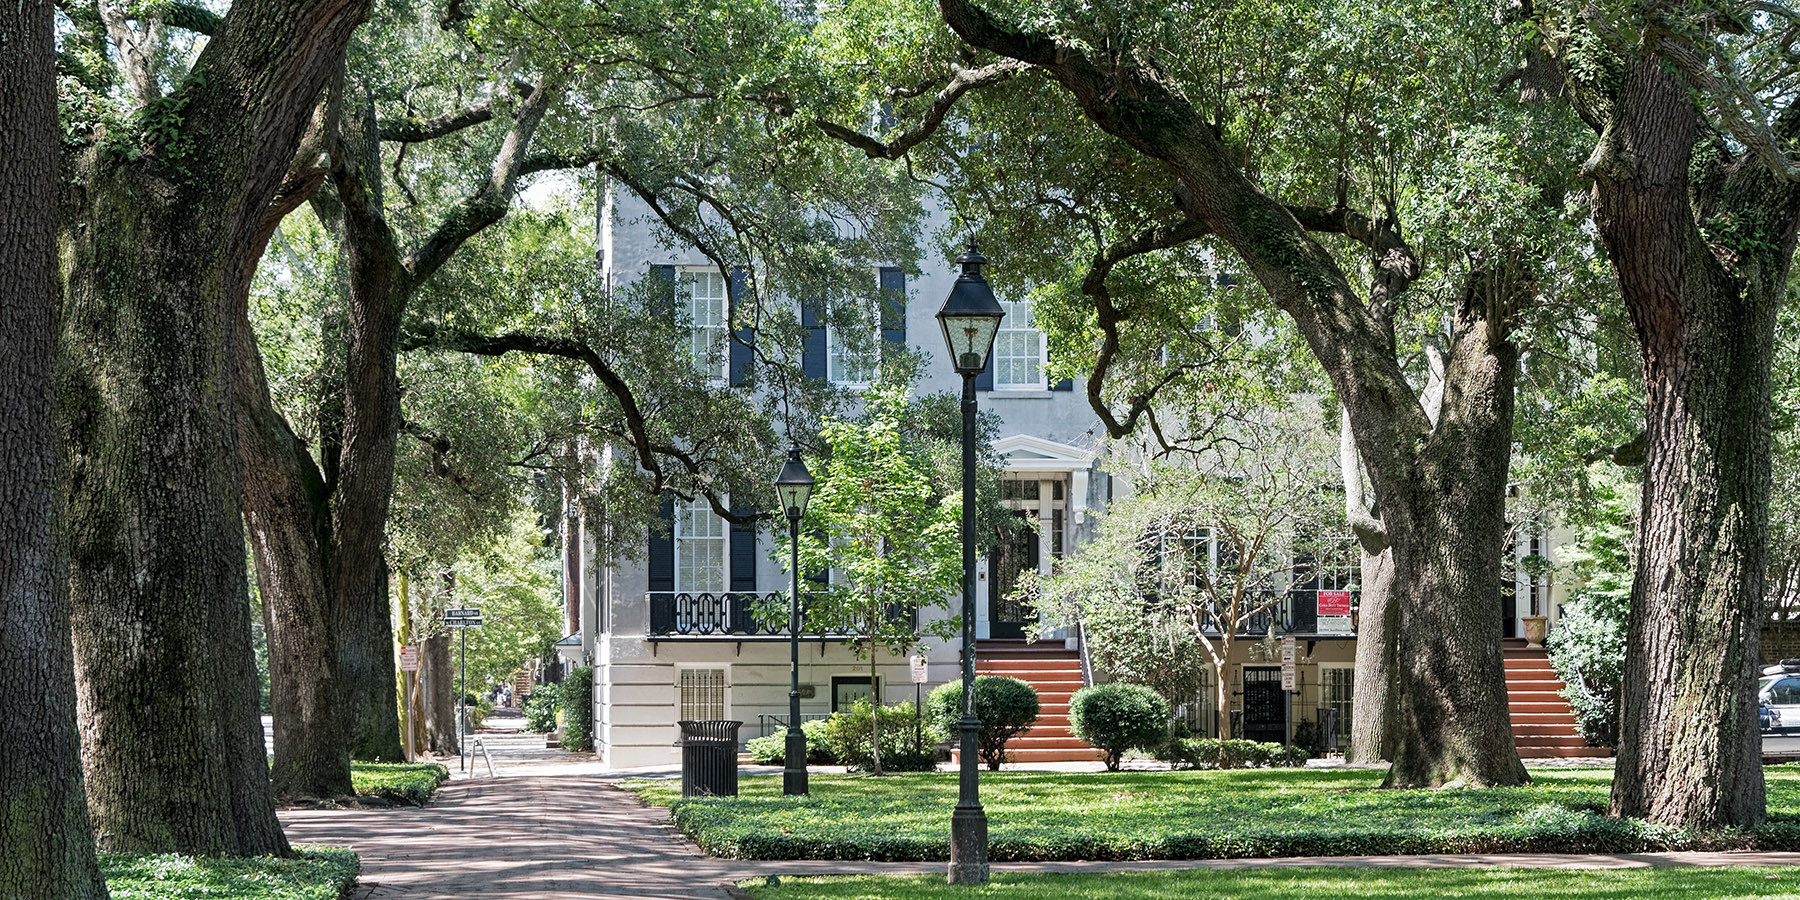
(1056, 673)
(1542, 723)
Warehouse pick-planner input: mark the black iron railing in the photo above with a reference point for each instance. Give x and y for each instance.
(732, 614)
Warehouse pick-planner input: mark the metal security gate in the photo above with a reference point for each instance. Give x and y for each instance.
(1263, 719)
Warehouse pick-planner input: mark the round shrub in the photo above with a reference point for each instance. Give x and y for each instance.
(1118, 717)
(1006, 706)
(771, 749)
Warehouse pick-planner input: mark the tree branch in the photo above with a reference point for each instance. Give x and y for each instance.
(1109, 316)
(961, 82)
(489, 202)
(427, 337)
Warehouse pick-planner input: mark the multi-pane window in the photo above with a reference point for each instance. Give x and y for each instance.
(850, 361)
(1018, 349)
(702, 694)
(1337, 685)
(706, 295)
(700, 548)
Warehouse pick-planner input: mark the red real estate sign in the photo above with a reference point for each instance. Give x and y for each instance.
(1334, 603)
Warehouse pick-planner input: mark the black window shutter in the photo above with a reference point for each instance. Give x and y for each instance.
(744, 341)
(812, 353)
(985, 380)
(743, 555)
(822, 578)
(662, 549)
(1067, 384)
(662, 303)
(893, 306)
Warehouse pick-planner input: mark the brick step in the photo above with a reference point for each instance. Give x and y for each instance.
(1028, 664)
(1519, 664)
(1066, 742)
(1548, 717)
(1582, 752)
(1525, 730)
(1534, 686)
(989, 651)
(1538, 706)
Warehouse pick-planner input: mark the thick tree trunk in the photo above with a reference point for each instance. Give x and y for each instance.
(154, 251)
(437, 671)
(1703, 296)
(1448, 716)
(44, 828)
(174, 749)
(1374, 662)
(284, 502)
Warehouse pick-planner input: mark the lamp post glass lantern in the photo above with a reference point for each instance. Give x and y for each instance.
(794, 487)
(970, 318)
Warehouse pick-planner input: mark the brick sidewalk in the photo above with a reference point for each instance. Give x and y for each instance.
(544, 838)
(572, 837)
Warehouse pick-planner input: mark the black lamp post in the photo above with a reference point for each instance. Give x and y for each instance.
(794, 485)
(970, 317)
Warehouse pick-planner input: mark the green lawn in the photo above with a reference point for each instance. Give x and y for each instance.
(1317, 884)
(1188, 815)
(316, 874)
(409, 783)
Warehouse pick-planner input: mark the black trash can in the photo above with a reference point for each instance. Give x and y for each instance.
(709, 758)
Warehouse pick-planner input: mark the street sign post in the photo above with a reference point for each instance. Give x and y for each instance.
(462, 619)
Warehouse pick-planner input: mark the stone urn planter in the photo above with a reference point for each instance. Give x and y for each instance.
(1535, 629)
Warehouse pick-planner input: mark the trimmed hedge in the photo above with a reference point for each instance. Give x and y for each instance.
(1006, 706)
(1212, 753)
(771, 749)
(1117, 717)
(577, 701)
(540, 708)
(408, 783)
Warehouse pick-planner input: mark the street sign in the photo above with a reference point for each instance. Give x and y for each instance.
(463, 612)
(1334, 625)
(1334, 603)
(409, 658)
(1287, 664)
(462, 621)
(919, 670)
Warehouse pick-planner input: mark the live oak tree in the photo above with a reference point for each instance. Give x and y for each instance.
(1697, 201)
(1178, 148)
(44, 828)
(172, 177)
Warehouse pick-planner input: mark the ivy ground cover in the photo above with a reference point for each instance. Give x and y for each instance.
(1738, 883)
(1190, 815)
(314, 874)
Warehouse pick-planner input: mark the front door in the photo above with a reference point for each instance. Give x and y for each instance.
(1007, 616)
(1263, 708)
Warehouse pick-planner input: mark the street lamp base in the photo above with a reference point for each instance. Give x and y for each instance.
(793, 777)
(969, 845)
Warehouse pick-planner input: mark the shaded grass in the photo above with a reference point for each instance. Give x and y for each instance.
(1315, 884)
(1189, 815)
(315, 874)
(409, 783)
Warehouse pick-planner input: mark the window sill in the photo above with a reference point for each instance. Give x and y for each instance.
(1016, 394)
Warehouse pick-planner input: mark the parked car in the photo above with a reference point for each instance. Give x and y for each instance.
(1778, 698)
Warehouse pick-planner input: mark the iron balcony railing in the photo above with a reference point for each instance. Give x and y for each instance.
(732, 614)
